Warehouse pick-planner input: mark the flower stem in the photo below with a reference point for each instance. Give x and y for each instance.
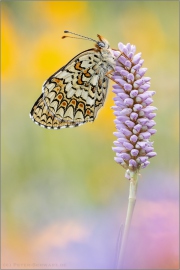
(131, 204)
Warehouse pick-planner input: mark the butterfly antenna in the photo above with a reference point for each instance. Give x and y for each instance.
(83, 37)
(74, 37)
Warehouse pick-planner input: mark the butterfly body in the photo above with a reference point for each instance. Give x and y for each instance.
(74, 94)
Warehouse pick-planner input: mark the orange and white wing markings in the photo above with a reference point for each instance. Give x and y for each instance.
(74, 94)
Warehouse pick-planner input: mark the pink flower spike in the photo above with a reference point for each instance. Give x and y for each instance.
(133, 111)
(134, 124)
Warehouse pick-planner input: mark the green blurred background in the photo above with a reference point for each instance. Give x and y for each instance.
(63, 196)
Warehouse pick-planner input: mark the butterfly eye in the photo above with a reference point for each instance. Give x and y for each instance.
(100, 44)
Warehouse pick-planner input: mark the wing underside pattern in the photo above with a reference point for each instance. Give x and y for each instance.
(74, 94)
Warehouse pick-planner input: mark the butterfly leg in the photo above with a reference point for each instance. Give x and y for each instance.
(110, 77)
(121, 53)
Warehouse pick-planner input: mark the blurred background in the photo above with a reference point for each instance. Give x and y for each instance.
(63, 196)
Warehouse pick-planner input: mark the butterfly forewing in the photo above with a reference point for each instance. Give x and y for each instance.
(74, 94)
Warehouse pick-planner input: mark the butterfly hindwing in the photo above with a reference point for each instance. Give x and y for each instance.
(44, 118)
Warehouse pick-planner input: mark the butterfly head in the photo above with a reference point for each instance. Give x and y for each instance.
(102, 43)
(103, 46)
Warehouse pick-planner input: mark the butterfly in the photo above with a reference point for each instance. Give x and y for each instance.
(73, 95)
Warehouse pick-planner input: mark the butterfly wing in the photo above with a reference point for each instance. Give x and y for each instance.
(74, 94)
(44, 118)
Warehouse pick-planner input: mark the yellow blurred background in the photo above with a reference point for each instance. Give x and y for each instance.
(63, 196)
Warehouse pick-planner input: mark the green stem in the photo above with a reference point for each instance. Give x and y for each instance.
(131, 204)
